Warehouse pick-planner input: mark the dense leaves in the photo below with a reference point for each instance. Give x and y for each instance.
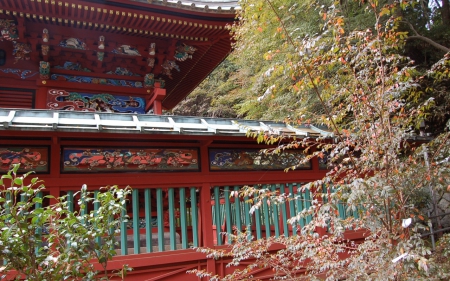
(347, 65)
(42, 241)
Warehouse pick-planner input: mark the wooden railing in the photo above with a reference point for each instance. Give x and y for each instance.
(165, 219)
(233, 214)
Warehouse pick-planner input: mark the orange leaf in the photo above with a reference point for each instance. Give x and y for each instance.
(324, 16)
(420, 217)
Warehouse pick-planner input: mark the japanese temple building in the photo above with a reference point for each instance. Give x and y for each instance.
(82, 89)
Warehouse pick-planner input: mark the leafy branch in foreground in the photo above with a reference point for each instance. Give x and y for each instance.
(375, 101)
(43, 239)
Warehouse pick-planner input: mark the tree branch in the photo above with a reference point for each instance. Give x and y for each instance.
(426, 39)
(429, 41)
(437, 4)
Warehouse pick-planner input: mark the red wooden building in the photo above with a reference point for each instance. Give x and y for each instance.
(77, 81)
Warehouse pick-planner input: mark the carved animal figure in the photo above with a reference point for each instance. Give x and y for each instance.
(127, 50)
(183, 52)
(8, 30)
(73, 43)
(167, 66)
(21, 51)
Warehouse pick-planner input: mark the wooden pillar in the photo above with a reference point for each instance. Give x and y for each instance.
(55, 154)
(40, 100)
(205, 206)
(155, 101)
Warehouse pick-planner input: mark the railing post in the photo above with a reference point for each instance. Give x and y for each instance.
(237, 207)
(98, 240)
(227, 206)
(160, 214)
(183, 218)
(172, 230)
(292, 212)
(206, 216)
(217, 214)
(123, 230)
(194, 214)
(135, 210)
(148, 220)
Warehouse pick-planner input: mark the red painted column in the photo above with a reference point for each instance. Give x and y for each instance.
(159, 95)
(206, 216)
(207, 231)
(55, 154)
(155, 101)
(40, 101)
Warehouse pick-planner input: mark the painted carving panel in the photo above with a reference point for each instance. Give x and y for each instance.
(126, 50)
(63, 100)
(29, 158)
(8, 30)
(94, 80)
(23, 74)
(221, 159)
(323, 161)
(87, 160)
(75, 66)
(73, 43)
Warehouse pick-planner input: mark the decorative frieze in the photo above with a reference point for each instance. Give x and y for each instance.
(23, 74)
(95, 80)
(95, 159)
(29, 158)
(63, 100)
(221, 159)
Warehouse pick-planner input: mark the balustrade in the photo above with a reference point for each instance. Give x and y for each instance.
(163, 219)
(167, 219)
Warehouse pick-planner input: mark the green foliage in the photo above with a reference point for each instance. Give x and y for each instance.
(351, 74)
(50, 242)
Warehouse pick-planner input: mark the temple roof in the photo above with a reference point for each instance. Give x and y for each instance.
(171, 25)
(47, 120)
(224, 5)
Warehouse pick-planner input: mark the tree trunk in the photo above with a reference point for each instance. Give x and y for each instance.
(445, 12)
